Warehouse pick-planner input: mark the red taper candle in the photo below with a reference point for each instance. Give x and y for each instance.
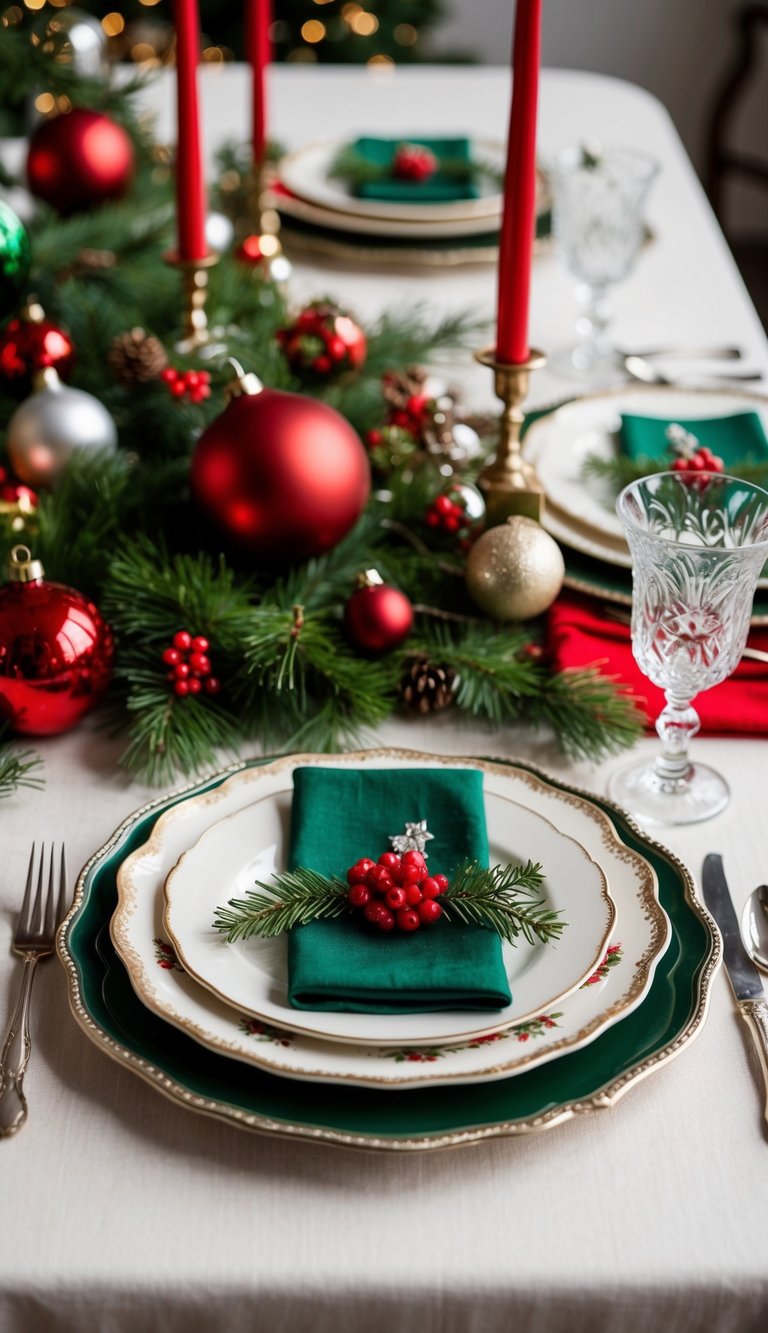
(519, 219)
(190, 183)
(259, 53)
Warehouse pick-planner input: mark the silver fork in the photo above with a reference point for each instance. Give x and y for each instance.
(33, 940)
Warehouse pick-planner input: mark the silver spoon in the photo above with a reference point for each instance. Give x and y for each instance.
(754, 927)
(640, 369)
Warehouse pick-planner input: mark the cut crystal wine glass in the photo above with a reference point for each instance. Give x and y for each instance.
(698, 543)
(599, 197)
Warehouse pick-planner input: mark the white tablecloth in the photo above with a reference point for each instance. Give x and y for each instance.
(121, 1211)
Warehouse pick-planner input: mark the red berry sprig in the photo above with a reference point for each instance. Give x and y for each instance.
(703, 460)
(194, 385)
(445, 514)
(190, 666)
(396, 892)
(414, 162)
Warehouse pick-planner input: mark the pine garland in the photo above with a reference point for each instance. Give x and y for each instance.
(621, 471)
(504, 899)
(124, 529)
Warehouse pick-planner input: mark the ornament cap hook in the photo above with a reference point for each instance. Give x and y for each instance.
(244, 384)
(369, 578)
(23, 569)
(46, 378)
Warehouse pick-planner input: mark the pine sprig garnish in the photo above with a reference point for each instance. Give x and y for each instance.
(293, 899)
(621, 471)
(505, 899)
(17, 769)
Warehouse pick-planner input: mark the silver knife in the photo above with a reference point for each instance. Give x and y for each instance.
(742, 973)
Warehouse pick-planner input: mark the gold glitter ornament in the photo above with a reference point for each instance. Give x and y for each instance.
(515, 571)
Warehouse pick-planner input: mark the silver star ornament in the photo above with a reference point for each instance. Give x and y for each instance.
(414, 839)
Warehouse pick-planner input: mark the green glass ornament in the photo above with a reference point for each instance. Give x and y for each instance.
(14, 260)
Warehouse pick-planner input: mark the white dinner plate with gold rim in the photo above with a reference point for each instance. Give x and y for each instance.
(305, 173)
(291, 206)
(252, 975)
(618, 987)
(581, 511)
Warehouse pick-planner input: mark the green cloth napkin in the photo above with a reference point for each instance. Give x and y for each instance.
(732, 438)
(339, 815)
(441, 188)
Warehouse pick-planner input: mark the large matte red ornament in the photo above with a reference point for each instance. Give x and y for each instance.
(79, 160)
(283, 476)
(55, 651)
(378, 617)
(31, 343)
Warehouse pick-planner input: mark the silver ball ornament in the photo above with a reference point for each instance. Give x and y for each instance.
(515, 571)
(471, 500)
(85, 45)
(53, 424)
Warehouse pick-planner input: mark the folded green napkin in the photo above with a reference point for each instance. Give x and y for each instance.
(441, 188)
(340, 815)
(732, 438)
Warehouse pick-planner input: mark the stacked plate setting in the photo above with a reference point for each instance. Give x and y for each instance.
(209, 1024)
(580, 511)
(321, 215)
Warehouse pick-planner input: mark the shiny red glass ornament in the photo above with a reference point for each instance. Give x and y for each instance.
(55, 652)
(378, 617)
(283, 476)
(79, 160)
(28, 344)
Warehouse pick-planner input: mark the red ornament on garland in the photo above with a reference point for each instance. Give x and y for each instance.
(55, 651)
(378, 617)
(323, 340)
(283, 476)
(30, 343)
(79, 160)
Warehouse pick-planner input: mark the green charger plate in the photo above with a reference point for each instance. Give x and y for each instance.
(110, 1012)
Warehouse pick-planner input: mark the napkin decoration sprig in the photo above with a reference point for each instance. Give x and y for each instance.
(397, 892)
(412, 163)
(683, 453)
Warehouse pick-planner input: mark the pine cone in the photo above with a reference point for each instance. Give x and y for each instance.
(136, 357)
(427, 688)
(398, 386)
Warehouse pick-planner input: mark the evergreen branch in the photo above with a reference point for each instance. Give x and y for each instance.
(504, 899)
(293, 899)
(17, 768)
(621, 471)
(592, 715)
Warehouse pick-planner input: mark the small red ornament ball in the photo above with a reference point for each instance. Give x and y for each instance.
(55, 652)
(282, 475)
(378, 618)
(30, 343)
(79, 160)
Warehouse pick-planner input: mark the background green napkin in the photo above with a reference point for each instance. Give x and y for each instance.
(441, 188)
(339, 815)
(732, 438)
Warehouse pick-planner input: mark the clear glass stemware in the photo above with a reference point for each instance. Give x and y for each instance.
(599, 227)
(698, 543)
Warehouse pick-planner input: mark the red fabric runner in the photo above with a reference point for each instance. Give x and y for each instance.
(579, 635)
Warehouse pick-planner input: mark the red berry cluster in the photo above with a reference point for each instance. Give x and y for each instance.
(324, 340)
(446, 514)
(396, 891)
(703, 460)
(414, 162)
(15, 493)
(190, 665)
(194, 385)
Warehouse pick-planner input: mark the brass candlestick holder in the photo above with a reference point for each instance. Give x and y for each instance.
(509, 484)
(195, 334)
(262, 245)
